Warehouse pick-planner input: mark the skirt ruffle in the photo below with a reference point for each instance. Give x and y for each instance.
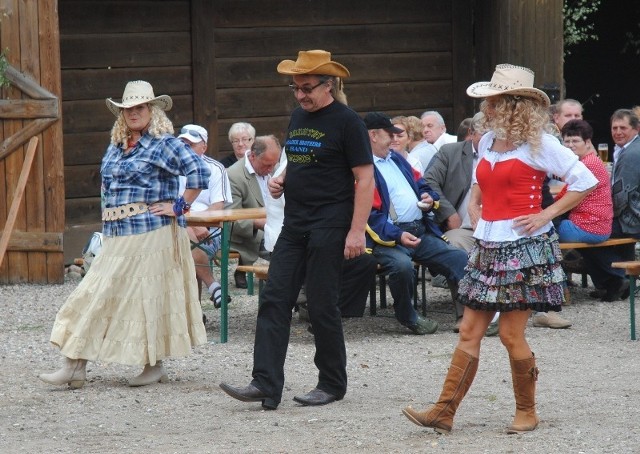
(515, 275)
(137, 304)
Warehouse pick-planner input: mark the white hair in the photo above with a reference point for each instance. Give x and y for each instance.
(439, 118)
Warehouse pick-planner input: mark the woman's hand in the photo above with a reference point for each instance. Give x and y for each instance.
(526, 225)
(162, 209)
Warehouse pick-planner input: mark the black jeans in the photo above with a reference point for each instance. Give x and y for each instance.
(314, 257)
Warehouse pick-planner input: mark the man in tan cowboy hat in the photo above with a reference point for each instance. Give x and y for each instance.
(325, 215)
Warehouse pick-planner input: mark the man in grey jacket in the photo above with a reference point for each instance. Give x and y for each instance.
(625, 186)
(449, 174)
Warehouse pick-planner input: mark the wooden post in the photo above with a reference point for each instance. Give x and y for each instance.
(17, 197)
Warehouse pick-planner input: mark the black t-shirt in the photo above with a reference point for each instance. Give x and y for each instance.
(322, 147)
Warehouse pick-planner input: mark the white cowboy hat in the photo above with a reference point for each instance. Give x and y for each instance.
(509, 80)
(313, 62)
(138, 92)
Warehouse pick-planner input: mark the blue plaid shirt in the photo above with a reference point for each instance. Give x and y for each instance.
(148, 173)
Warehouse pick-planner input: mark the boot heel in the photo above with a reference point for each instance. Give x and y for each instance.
(76, 384)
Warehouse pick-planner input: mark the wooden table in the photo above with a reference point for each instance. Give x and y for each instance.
(224, 219)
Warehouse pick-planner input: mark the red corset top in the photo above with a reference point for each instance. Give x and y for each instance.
(510, 189)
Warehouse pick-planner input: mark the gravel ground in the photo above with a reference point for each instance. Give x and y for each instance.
(588, 389)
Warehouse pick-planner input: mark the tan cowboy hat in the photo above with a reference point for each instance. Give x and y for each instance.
(313, 62)
(509, 80)
(138, 92)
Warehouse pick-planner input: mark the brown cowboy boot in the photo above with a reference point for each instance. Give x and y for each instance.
(459, 378)
(524, 373)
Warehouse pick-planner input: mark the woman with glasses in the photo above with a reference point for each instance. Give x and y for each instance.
(590, 221)
(241, 136)
(138, 303)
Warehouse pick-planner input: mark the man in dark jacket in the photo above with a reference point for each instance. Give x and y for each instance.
(401, 230)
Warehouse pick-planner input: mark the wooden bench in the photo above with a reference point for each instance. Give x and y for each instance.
(631, 269)
(261, 272)
(609, 242)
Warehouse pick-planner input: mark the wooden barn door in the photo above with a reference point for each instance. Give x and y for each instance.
(28, 107)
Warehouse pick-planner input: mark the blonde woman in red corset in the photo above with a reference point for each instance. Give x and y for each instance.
(514, 267)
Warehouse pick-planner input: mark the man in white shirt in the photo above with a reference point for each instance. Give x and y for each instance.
(248, 178)
(435, 131)
(215, 197)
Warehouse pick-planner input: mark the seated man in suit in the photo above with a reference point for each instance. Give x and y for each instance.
(248, 179)
(400, 229)
(611, 283)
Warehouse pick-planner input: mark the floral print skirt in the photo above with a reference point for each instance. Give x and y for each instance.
(515, 275)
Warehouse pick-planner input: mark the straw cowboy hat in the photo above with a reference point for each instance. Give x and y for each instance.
(313, 62)
(138, 92)
(509, 80)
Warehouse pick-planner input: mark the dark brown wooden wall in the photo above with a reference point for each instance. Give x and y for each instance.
(217, 60)
(103, 45)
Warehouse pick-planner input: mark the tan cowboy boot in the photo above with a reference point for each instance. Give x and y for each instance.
(462, 370)
(73, 373)
(150, 375)
(524, 373)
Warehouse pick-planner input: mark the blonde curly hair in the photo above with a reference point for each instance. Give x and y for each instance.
(159, 125)
(517, 119)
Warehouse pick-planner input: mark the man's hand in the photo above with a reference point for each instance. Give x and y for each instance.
(409, 240)
(454, 221)
(200, 232)
(276, 186)
(354, 244)
(426, 202)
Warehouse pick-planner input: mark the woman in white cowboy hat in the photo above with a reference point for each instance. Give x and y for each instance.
(138, 304)
(514, 266)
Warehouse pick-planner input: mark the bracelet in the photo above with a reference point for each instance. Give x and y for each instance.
(180, 206)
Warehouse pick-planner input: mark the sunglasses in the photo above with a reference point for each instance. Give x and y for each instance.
(192, 133)
(306, 89)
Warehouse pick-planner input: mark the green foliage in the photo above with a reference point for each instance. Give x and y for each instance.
(4, 82)
(577, 25)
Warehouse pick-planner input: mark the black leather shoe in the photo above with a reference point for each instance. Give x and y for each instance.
(598, 293)
(241, 279)
(316, 397)
(249, 394)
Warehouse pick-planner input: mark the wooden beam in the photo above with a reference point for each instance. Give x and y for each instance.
(35, 241)
(17, 197)
(27, 85)
(28, 108)
(205, 110)
(12, 142)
